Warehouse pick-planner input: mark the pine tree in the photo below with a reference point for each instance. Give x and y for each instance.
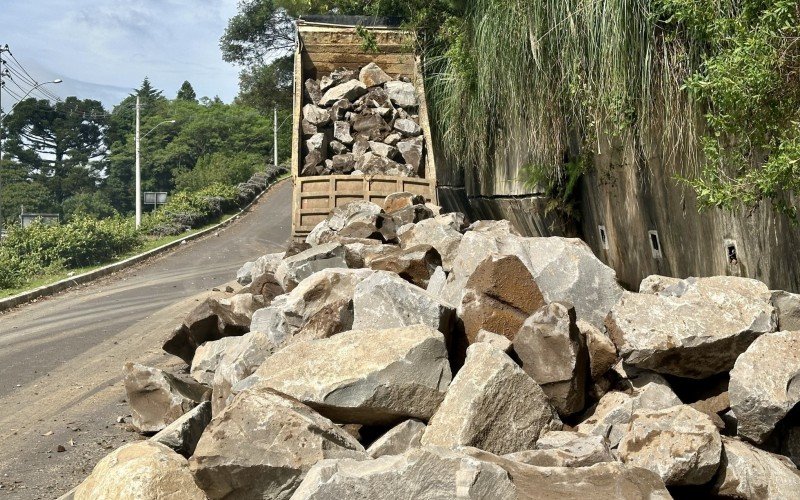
(148, 94)
(187, 93)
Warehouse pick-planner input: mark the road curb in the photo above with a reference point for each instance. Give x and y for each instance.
(59, 286)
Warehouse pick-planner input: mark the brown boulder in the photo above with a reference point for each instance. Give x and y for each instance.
(397, 201)
(415, 265)
(499, 296)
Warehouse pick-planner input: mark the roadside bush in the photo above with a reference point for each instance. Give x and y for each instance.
(97, 205)
(186, 210)
(84, 241)
(219, 168)
(15, 269)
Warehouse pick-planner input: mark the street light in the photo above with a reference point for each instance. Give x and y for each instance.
(38, 85)
(138, 164)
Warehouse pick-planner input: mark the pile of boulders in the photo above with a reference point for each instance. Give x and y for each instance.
(403, 353)
(362, 122)
(258, 182)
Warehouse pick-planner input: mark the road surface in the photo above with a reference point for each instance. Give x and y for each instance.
(61, 358)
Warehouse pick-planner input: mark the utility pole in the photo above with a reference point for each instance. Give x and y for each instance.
(3, 49)
(138, 171)
(275, 137)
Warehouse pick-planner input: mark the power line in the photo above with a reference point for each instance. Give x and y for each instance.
(12, 93)
(21, 66)
(20, 73)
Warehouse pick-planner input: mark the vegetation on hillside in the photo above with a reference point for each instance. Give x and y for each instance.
(74, 157)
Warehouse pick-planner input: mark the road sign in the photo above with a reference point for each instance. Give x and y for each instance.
(47, 219)
(154, 197)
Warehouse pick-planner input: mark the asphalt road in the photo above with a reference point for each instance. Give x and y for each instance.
(61, 357)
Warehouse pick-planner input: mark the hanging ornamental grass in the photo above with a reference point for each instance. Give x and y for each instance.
(665, 79)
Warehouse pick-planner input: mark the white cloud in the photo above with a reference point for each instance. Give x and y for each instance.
(105, 46)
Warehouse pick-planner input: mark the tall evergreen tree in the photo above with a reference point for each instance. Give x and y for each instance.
(186, 92)
(61, 144)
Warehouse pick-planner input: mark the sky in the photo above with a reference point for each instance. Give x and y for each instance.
(103, 49)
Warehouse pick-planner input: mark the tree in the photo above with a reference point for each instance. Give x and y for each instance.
(119, 182)
(96, 205)
(186, 92)
(20, 190)
(148, 94)
(61, 144)
(260, 30)
(266, 86)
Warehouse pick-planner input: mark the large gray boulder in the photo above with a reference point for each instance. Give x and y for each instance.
(380, 227)
(552, 351)
(207, 358)
(316, 116)
(412, 150)
(430, 232)
(244, 276)
(603, 481)
(262, 445)
(402, 94)
(183, 434)
(341, 132)
(602, 351)
(428, 473)
(499, 296)
(239, 361)
(565, 449)
(144, 470)
(467, 251)
(411, 215)
(158, 398)
(787, 307)
(399, 201)
(753, 474)
(680, 444)
(492, 405)
(398, 439)
(292, 270)
(263, 280)
(385, 300)
(327, 230)
(565, 270)
(350, 90)
(372, 75)
(378, 376)
(694, 329)
(765, 384)
(320, 306)
(610, 416)
(213, 319)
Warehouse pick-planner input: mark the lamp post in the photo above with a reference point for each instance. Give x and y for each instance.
(139, 165)
(2, 115)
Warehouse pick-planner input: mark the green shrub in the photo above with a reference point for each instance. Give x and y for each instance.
(81, 242)
(219, 168)
(97, 205)
(190, 209)
(16, 269)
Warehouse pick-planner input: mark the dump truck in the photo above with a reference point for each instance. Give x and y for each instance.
(325, 45)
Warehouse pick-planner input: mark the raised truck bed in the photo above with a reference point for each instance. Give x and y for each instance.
(322, 48)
